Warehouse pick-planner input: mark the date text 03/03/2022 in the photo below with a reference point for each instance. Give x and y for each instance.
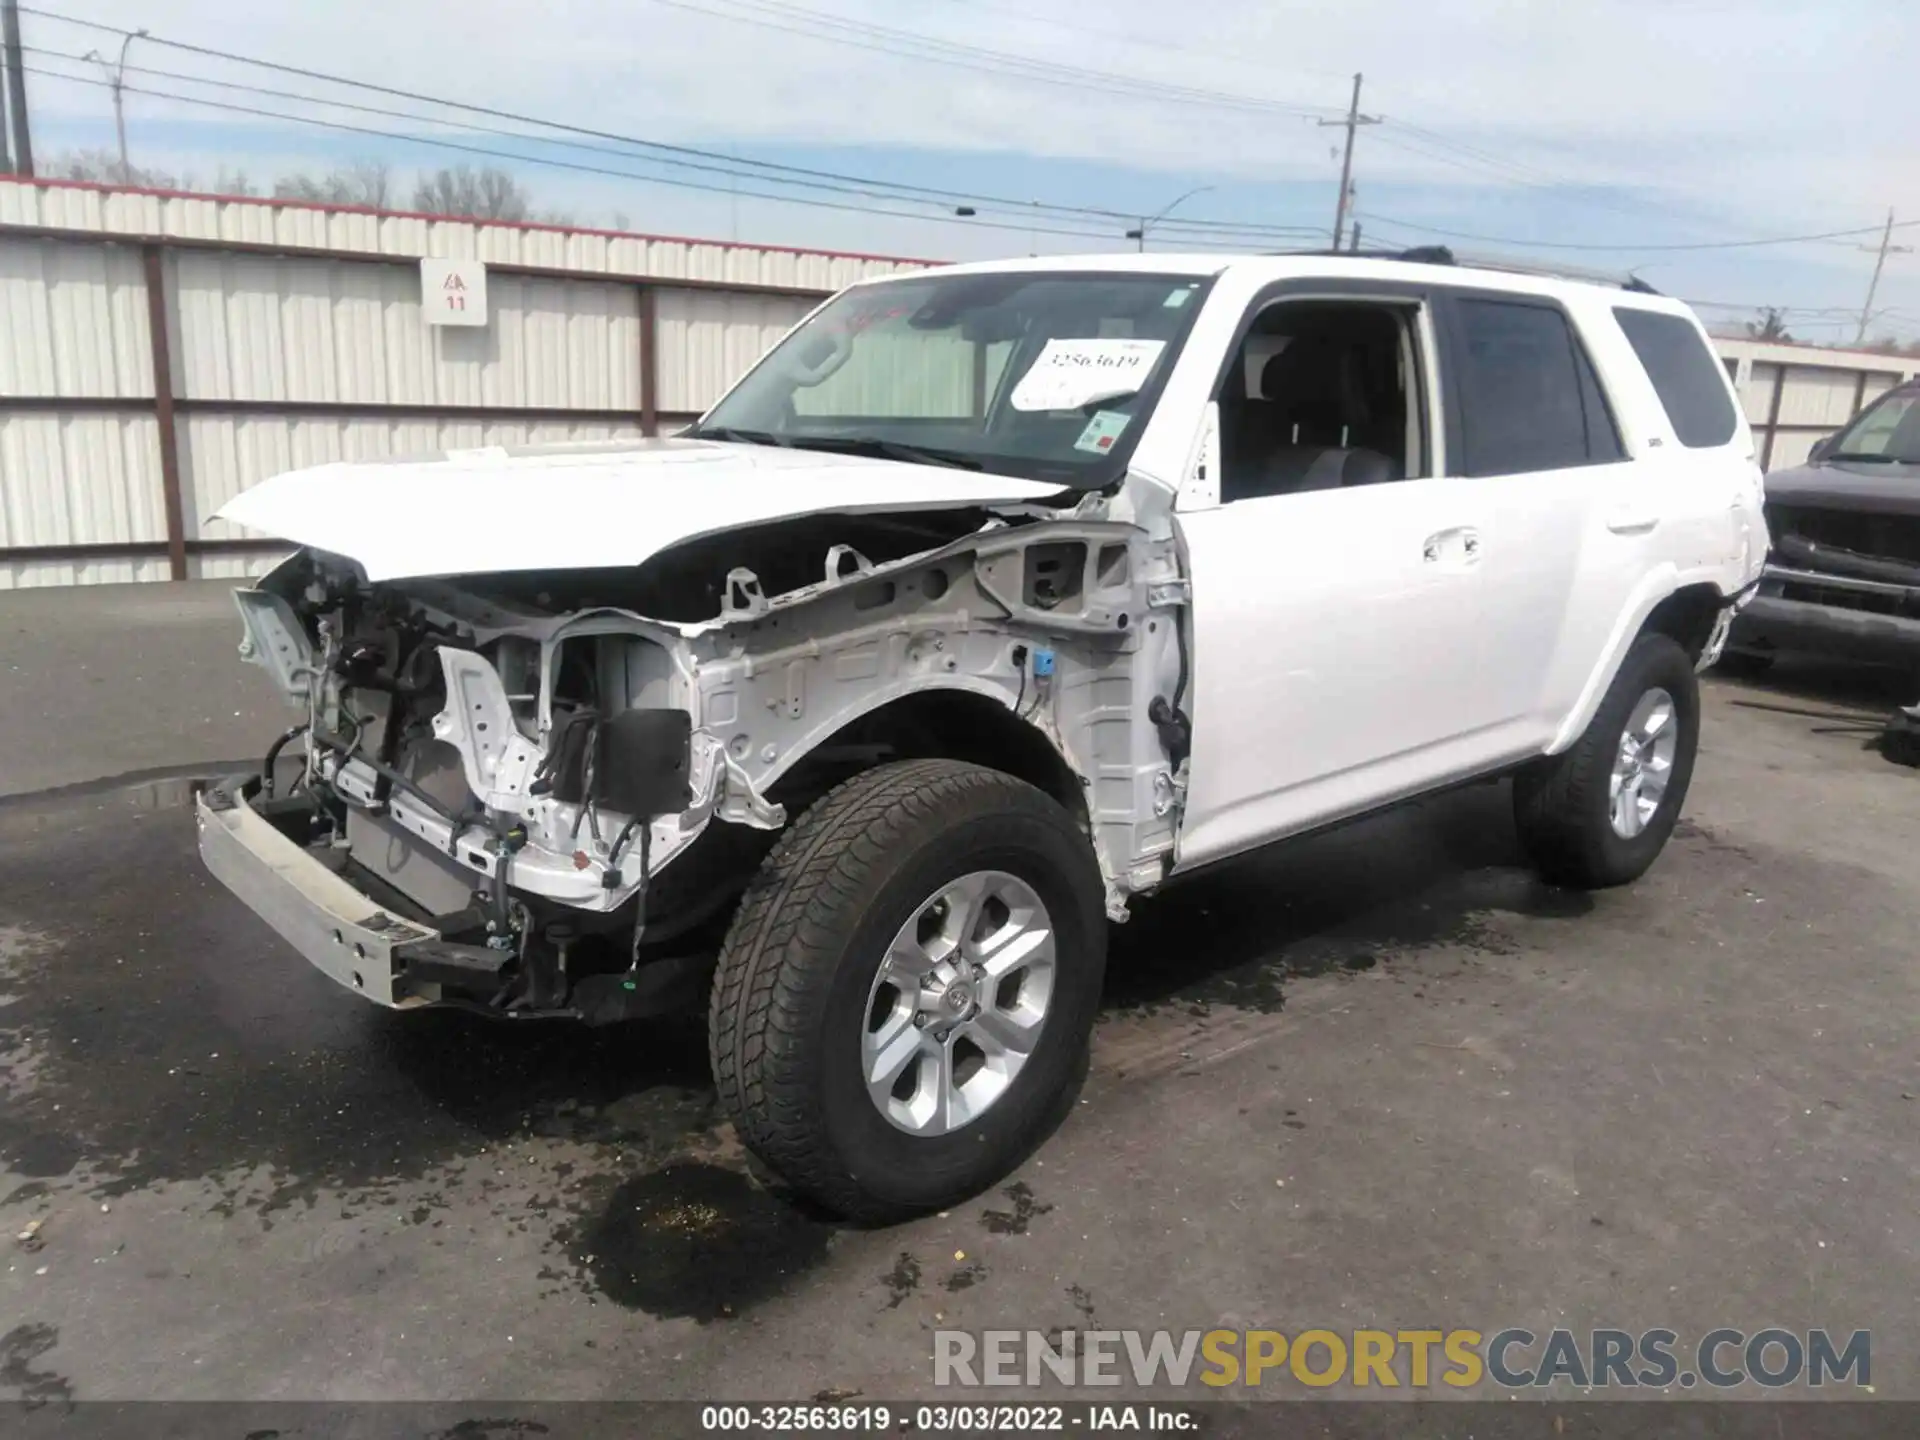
(937, 1419)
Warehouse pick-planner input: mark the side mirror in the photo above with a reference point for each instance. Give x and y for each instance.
(1822, 448)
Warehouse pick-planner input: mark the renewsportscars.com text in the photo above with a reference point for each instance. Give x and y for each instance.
(1391, 1359)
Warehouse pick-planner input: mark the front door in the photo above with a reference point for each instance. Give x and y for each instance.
(1335, 584)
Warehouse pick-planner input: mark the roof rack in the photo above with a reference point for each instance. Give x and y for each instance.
(1443, 255)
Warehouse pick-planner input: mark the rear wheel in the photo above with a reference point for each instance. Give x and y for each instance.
(1600, 812)
(906, 994)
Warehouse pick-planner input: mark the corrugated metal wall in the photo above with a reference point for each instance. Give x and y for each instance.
(1793, 394)
(280, 359)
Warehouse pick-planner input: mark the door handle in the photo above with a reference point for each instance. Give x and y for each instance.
(1461, 543)
(1632, 522)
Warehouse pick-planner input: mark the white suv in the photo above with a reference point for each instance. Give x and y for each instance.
(991, 599)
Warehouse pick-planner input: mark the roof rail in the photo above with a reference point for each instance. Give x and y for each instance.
(1443, 255)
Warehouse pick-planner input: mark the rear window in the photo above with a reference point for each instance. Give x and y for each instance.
(1684, 373)
(1529, 399)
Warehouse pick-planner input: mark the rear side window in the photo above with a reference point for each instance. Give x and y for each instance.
(1528, 396)
(1684, 375)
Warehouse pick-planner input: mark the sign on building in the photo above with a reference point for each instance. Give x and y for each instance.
(453, 292)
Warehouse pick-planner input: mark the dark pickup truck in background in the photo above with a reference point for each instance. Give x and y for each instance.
(1843, 578)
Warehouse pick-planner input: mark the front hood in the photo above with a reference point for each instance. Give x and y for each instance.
(1849, 485)
(583, 507)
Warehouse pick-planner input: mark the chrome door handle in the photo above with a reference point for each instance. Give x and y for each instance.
(1632, 522)
(1463, 540)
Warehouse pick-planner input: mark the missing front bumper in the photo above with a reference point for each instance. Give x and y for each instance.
(368, 949)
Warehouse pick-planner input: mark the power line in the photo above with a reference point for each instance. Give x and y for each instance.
(1573, 245)
(578, 167)
(763, 171)
(793, 19)
(814, 24)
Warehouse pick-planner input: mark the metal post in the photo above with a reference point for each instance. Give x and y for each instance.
(171, 499)
(16, 88)
(6, 146)
(1773, 415)
(649, 361)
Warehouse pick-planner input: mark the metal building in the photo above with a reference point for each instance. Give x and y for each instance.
(1794, 394)
(160, 352)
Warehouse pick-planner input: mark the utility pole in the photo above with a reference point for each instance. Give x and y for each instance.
(1355, 246)
(1886, 248)
(1352, 124)
(16, 88)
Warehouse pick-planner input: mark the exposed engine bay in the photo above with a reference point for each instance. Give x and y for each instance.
(570, 776)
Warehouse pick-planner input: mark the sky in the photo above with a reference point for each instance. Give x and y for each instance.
(1603, 134)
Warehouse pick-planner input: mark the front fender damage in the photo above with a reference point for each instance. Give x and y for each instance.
(1069, 627)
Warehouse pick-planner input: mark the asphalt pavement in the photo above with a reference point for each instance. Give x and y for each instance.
(1380, 1077)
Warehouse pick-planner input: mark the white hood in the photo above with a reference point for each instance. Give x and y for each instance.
(579, 508)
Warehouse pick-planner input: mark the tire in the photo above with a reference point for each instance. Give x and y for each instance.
(800, 1003)
(1564, 805)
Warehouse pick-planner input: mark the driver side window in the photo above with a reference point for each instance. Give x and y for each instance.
(1323, 394)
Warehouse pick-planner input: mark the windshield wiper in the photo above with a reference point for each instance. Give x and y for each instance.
(1864, 455)
(742, 437)
(887, 450)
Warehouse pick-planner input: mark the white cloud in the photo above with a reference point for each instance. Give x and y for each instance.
(1701, 119)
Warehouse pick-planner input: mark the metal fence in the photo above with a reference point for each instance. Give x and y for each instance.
(161, 352)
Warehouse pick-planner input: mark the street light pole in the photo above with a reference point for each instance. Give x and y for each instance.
(117, 79)
(1147, 222)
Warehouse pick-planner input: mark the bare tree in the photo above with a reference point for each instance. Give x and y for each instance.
(1772, 325)
(486, 194)
(225, 182)
(103, 167)
(365, 182)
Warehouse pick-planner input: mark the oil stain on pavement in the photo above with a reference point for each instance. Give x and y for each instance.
(697, 1241)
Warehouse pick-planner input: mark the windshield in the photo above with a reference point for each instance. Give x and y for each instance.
(1044, 375)
(1888, 430)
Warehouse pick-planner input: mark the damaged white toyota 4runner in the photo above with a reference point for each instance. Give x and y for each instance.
(991, 599)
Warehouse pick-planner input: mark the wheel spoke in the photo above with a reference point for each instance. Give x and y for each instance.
(963, 898)
(1014, 946)
(899, 1043)
(939, 1083)
(905, 963)
(1630, 807)
(1005, 1032)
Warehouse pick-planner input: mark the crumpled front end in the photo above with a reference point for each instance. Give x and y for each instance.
(565, 779)
(506, 774)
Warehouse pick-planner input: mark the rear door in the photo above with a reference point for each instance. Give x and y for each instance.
(1567, 522)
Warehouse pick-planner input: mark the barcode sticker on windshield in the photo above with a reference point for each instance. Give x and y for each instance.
(1103, 431)
(1073, 373)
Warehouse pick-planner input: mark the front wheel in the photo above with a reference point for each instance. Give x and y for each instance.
(1599, 813)
(906, 994)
